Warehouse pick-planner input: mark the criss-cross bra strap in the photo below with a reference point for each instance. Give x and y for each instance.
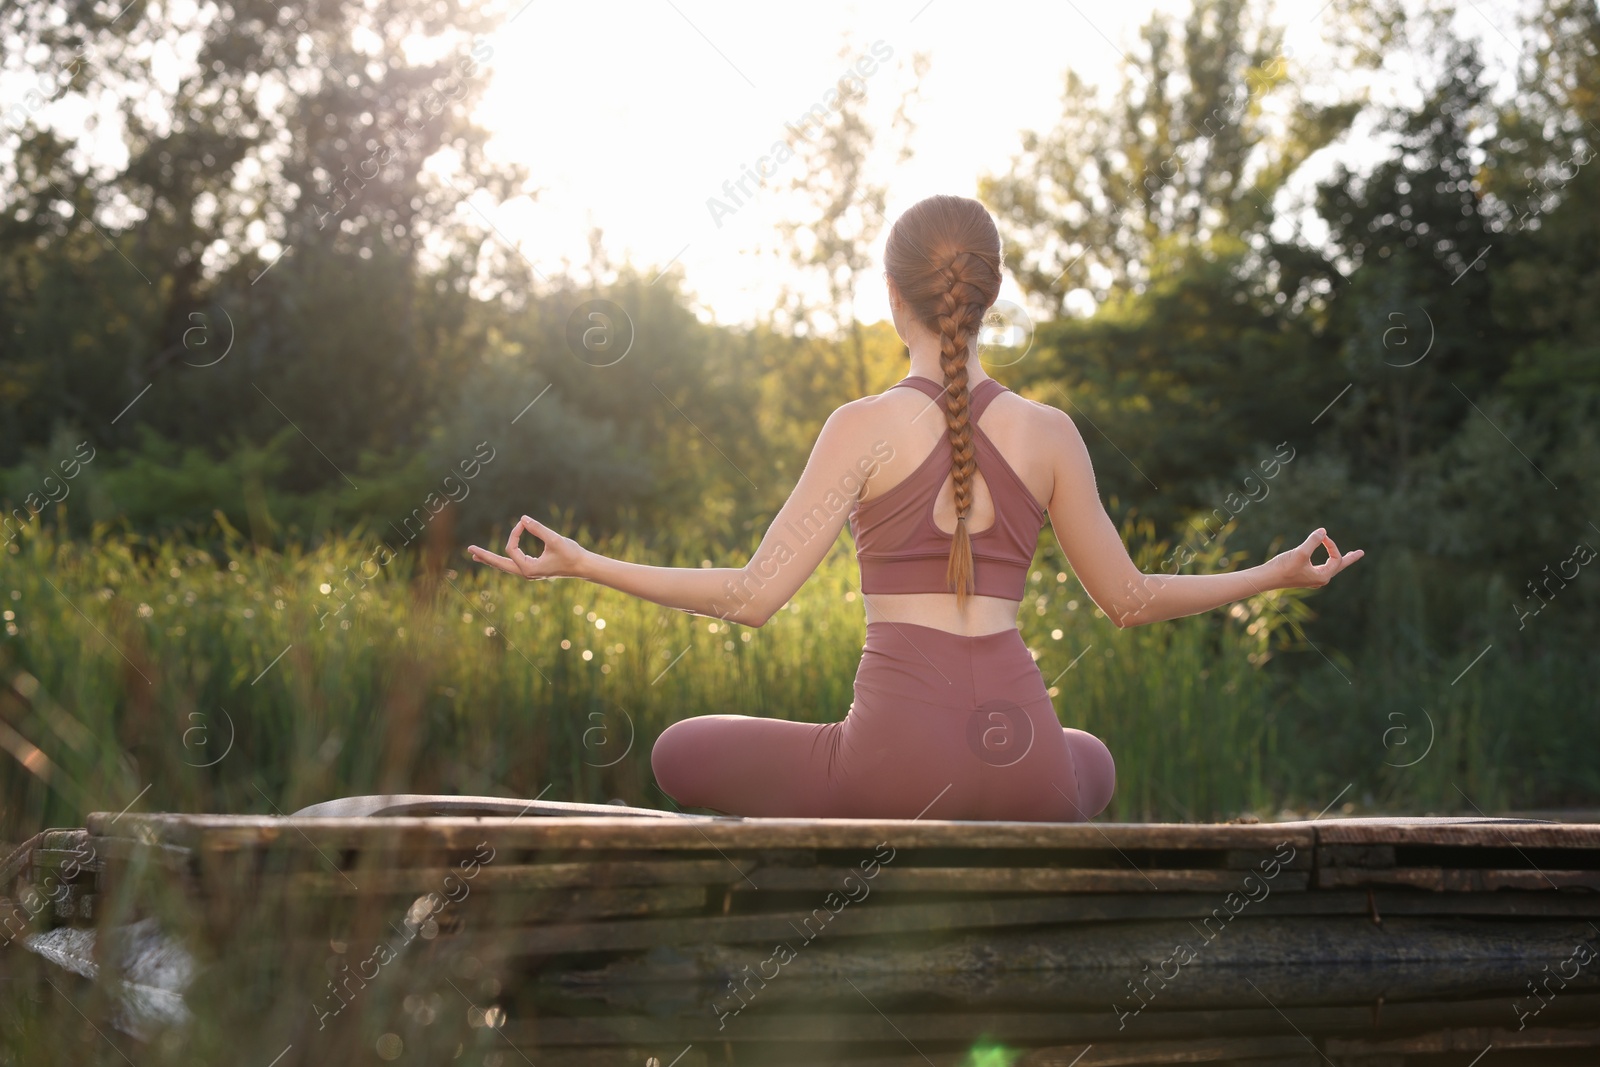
(980, 395)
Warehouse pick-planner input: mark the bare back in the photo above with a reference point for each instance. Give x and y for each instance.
(913, 426)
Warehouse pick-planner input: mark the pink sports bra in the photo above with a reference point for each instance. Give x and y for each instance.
(900, 550)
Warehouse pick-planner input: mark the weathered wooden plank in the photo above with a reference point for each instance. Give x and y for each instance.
(1467, 1039)
(1484, 835)
(1102, 907)
(1093, 960)
(1191, 1050)
(643, 1053)
(564, 904)
(746, 871)
(66, 861)
(860, 1022)
(1015, 879)
(1335, 937)
(1446, 880)
(254, 831)
(63, 839)
(1507, 902)
(1244, 859)
(171, 857)
(850, 833)
(231, 886)
(524, 877)
(46, 843)
(1367, 857)
(848, 921)
(1089, 967)
(226, 888)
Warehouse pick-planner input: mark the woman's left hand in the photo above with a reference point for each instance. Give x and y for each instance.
(561, 558)
(1294, 569)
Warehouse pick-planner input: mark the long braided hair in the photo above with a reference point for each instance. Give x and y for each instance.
(944, 255)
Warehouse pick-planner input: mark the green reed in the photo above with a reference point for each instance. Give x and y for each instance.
(238, 679)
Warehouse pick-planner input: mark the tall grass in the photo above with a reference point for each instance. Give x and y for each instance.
(230, 678)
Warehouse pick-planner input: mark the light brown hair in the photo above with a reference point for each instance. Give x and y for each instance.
(944, 255)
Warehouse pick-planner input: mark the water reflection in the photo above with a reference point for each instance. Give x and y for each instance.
(1314, 1012)
(1530, 997)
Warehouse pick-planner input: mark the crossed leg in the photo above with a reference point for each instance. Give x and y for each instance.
(1096, 771)
(747, 765)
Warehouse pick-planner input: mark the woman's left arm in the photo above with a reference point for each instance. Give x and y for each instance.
(800, 535)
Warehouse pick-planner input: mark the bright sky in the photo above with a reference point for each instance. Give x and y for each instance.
(632, 114)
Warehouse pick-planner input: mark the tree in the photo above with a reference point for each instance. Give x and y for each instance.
(262, 199)
(1411, 235)
(839, 209)
(1190, 150)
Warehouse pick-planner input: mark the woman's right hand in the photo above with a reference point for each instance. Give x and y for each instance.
(562, 556)
(1294, 570)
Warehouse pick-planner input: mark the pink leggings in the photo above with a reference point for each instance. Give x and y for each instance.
(943, 726)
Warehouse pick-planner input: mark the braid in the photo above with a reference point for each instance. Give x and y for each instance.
(960, 315)
(944, 257)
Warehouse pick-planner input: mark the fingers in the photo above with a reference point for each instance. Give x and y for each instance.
(499, 563)
(1319, 536)
(514, 540)
(525, 563)
(539, 530)
(1336, 561)
(516, 561)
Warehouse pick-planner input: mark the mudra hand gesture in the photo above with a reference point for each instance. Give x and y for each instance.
(561, 558)
(1296, 571)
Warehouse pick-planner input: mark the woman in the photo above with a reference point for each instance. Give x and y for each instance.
(951, 717)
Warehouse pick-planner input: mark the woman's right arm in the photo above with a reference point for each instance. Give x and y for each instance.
(1128, 596)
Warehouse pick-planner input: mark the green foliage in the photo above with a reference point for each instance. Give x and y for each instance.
(237, 678)
(401, 675)
(1127, 183)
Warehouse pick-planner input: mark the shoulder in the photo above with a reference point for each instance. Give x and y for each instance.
(1049, 429)
(852, 416)
(1055, 421)
(866, 414)
(1040, 418)
(852, 429)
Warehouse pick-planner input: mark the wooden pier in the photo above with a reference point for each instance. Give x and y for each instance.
(613, 928)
